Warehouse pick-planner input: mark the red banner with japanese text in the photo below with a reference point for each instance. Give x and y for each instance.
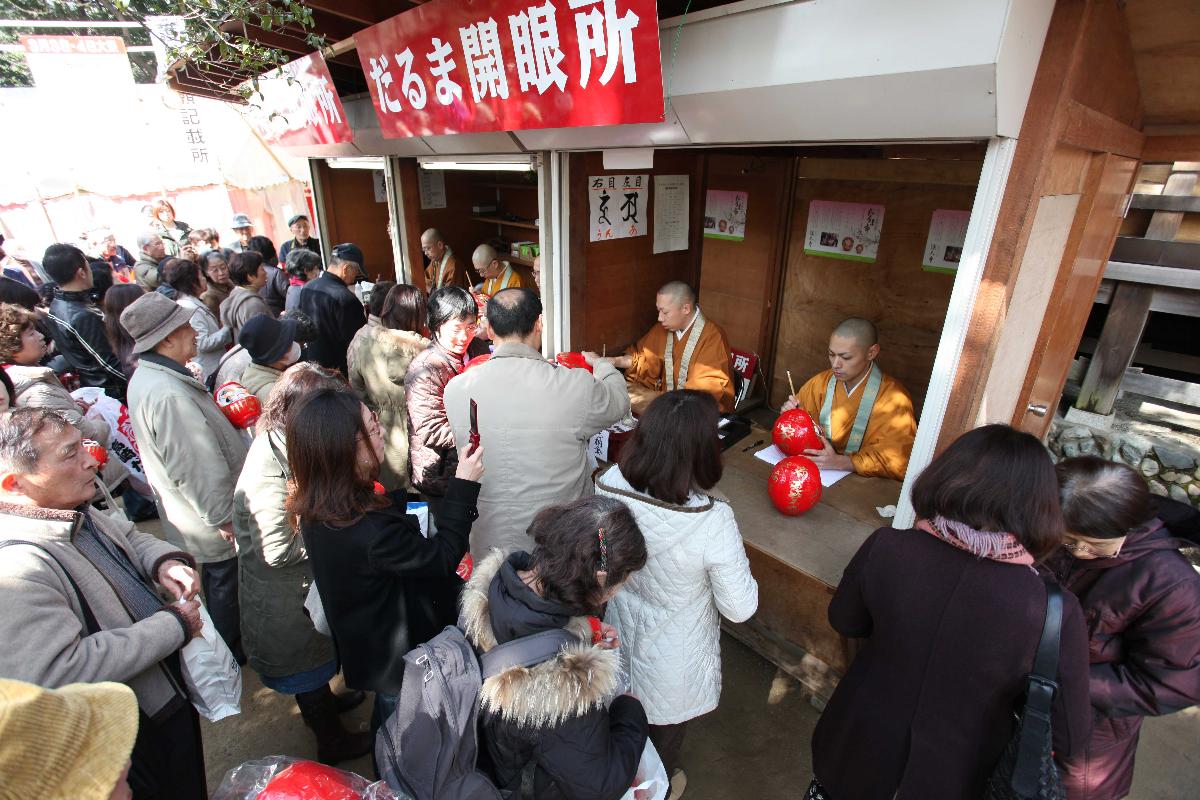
(301, 107)
(466, 66)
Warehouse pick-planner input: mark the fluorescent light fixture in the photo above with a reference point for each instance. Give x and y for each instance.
(514, 163)
(367, 162)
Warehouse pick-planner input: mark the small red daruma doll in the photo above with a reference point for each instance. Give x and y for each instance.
(794, 432)
(239, 406)
(573, 360)
(476, 361)
(794, 485)
(96, 451)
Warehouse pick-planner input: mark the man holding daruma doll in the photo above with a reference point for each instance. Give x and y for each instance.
(866, 417)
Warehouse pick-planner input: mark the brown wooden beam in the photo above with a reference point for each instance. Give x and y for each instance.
(1114, 352)
(331, 26)
(1168, 149)
(1089, 129)
(363, 12)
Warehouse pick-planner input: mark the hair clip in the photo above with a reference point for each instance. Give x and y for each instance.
(603, 551)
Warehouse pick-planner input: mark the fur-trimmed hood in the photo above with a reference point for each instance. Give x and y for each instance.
(580, 679)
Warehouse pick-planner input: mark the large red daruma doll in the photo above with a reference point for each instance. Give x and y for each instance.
(573, 360)
(795, 432)
(238, 405)
(795, 485)
(308, 780)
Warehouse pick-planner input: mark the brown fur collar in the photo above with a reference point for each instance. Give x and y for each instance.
(397, 341)
(37, 512)
(579, 679)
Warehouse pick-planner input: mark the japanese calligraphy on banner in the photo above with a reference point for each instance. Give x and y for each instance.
(947, 232)
(301, 108)
(617, 206)
(843, 230)
(464, 66)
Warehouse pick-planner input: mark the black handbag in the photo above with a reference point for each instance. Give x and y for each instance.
(1026, 770)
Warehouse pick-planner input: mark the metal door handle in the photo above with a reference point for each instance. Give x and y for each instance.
(1036, 409)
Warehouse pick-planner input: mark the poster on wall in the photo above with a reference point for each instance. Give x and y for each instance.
(849, 231)
(670, 213)
(379, 182)
(617, 206)
(725, 215)
(433, 188)
(947, 232)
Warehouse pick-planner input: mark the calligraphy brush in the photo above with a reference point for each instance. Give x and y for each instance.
(791, 385)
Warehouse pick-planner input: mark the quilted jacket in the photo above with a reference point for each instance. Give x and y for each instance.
(432, 457)
(667, 614)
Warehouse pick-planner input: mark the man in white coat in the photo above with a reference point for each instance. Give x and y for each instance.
(535, 420)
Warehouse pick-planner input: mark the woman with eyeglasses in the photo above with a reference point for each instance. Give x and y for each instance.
(1140, 598)
(385, 588)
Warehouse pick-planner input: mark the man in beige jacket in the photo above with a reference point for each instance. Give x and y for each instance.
(535, 420)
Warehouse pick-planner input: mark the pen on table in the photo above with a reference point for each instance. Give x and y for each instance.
(749, 447)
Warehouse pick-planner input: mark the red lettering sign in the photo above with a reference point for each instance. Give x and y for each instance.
(73, 45)
(301, 108)
(464, 66)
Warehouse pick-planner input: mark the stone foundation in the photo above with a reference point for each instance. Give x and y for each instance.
(1171, 468)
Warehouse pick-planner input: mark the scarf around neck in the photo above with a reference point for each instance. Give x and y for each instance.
(993, 545)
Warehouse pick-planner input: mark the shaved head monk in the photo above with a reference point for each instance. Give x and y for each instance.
(684, 351)
(499, 274)
(444, 268)
(866, 417)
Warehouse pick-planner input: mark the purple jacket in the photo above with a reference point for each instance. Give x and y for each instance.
(1142, 610)
(926, 708)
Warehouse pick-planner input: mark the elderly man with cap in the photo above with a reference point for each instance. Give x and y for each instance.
(334, 308)
(191, 453)
(243, 228)
(81, 600)
(300, 227)
(499, 274)
(272, 346)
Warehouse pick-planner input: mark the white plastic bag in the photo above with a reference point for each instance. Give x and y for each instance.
(316, 611)
(116, 415)
(277, 777)
(651, 781)
(213, 677)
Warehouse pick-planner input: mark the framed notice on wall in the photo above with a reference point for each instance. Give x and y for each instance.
(725, 215)
(432, 183)
(849, 231)
(670, 213)
(947, 232)
(617, 206)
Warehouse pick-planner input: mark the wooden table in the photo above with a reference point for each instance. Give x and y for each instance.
(798, 562)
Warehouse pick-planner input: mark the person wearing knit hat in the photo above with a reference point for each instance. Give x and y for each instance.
(272, 346)
(71, 743)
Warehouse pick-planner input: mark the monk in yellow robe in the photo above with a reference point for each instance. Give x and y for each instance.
(866, 417)
(443, 269)
(684, 351)
(499, 274)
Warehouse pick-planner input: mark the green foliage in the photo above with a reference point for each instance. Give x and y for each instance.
(214, 32)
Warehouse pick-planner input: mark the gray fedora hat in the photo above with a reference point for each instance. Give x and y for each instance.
(152, 318)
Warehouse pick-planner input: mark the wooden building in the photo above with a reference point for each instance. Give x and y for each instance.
(1030, 115)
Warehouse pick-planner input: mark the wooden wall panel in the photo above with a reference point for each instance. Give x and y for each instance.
(738, 280)
(907, 303)
(617, 280)
(353, 215)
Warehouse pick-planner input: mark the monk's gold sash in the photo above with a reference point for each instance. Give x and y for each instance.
(689, 352)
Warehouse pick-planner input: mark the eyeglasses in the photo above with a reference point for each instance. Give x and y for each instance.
(1082, 548)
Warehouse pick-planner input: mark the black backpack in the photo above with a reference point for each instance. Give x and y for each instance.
(428, 748)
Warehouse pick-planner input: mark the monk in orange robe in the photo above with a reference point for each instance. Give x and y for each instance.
(866, 416)
(443, 269)
(498, 274)
(684, 351)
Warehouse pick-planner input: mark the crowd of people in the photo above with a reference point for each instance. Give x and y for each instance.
(442, 398)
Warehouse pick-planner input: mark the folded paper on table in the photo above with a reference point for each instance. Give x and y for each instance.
(773, 455)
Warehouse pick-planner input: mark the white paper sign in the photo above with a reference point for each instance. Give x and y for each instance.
(849, 231)
(947, 232)
(725, 215)
(670, 213)
(433, 188)
(380, 184)
(617, 206)
(773, 455)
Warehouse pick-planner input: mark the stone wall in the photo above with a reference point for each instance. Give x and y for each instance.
(1171, 469)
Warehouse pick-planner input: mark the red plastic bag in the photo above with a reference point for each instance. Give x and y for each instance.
(287, 778)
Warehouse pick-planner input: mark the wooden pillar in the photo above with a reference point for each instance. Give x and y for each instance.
(1114, 352)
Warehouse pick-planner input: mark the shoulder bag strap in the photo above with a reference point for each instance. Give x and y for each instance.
(1035, 729)
(89, 619)
(524, 652)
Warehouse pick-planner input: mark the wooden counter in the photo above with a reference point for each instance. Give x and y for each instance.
(798, 561)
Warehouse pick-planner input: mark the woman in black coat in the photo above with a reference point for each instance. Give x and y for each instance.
(952, 613)
(384, 587)
(565, 721)
(1141, 601)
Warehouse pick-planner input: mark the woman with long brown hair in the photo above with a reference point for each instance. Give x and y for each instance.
(384, 586)
(116, 300)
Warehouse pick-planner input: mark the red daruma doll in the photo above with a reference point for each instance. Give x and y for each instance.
(794, 432)
(239, 406)
(794, 485)
(96, 451)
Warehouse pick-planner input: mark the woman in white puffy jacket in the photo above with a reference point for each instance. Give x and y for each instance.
(668, 614)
